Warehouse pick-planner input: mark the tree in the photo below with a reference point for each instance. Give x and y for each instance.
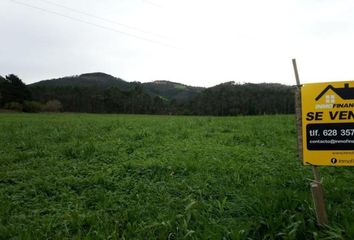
(158, 105)
(12, 89)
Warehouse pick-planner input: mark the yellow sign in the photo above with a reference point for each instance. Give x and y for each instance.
(328, 123)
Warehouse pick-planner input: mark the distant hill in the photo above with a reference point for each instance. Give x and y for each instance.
(230, 99)
(100, 92)
(164, 89)
(171, 90)
(103, 93)
(97, 80)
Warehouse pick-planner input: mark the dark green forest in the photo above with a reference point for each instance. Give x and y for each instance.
(102, 93)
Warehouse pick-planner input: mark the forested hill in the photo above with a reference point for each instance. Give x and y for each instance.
(97, 80)
(230, 99)
(100, 92)
(101, 81)
(171, 90)
(103, 93)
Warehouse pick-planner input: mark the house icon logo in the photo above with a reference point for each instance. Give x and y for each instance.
(330, 92)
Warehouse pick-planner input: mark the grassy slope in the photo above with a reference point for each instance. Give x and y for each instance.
(157, 177)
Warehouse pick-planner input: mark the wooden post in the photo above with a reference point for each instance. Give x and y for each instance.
(318, 198)
(296, 73)
(316, 185)
(316, 173)
(317, 195)
(298, 111)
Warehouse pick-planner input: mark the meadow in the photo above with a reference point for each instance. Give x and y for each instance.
(86, 176)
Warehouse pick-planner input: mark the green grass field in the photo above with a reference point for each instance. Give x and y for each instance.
(81, 176)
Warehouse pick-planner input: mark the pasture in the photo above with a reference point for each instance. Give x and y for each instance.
(86, 176)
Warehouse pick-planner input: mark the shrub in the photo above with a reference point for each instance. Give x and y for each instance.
(32, 106)
(14, 106)
(53, 106)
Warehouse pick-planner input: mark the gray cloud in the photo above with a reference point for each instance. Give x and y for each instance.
(231, 40)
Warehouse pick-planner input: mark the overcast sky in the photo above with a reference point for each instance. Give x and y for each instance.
(195, 42)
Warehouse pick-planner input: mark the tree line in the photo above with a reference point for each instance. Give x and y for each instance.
(227, 99)
(16, 96)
